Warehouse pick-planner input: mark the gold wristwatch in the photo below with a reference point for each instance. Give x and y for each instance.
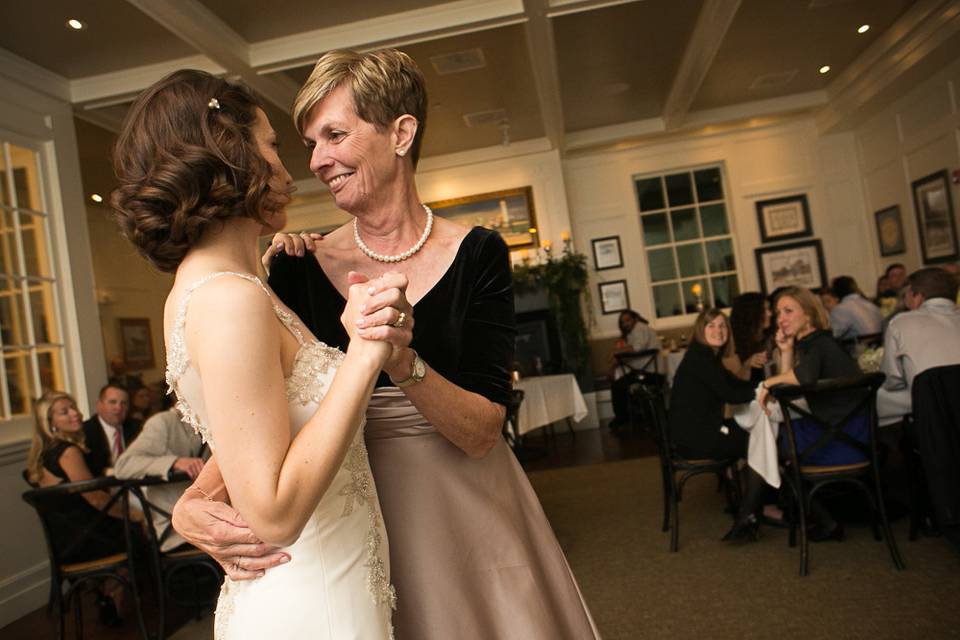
(418, 370)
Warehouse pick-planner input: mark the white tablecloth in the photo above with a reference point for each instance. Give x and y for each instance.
(548, 399)
(670, 362)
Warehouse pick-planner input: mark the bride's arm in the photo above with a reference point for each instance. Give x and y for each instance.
(273, 482)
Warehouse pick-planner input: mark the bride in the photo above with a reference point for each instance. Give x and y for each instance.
(200, 181)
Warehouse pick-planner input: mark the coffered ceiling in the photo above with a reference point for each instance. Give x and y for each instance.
(581, 73)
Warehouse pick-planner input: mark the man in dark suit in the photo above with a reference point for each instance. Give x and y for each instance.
(109, 432)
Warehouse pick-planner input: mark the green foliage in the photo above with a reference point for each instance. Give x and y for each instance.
(565, 279)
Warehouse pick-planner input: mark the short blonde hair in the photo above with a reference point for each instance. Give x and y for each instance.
(811, 305)
(384, 85)
(700, 330)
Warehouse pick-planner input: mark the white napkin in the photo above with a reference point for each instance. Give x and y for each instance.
(762, 448)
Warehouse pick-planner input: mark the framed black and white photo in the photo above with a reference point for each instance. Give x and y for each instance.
(799, 264)
(935, 224)
(784, 218)
(890, 231)
(614, 297)
(606, 253)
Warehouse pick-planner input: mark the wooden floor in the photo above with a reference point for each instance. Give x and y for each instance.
(540, 451)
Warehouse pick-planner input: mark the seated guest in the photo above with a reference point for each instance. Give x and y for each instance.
(827, 297)
(141, 405)
(165, 445)
(808, 353)
(701, 386)
(888, 297)
(120, 377)
(926, 336)
(57, 456)
(635, 335)
(854, 316)
(109, 432)
(749, 322)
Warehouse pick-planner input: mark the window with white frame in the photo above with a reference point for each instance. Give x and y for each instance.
(687, 240)
(31, 338)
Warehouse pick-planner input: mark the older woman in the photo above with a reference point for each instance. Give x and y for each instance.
(701, 387)
(56, 456)
(472, 554)
(809, 352)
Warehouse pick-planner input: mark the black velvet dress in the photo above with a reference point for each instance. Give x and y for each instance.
(70, 514)
(472, 554)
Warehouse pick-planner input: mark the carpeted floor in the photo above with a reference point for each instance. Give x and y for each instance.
(607, 518)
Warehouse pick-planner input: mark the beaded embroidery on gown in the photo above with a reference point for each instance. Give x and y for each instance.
(337, 583)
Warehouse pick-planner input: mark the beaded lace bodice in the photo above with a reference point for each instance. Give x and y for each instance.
(313, 370)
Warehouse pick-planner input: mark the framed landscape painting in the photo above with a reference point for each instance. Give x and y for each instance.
(509, 212)
(137, 342)
(935, 223)
(799, 264)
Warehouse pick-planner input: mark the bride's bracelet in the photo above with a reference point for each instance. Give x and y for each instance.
(201, 492)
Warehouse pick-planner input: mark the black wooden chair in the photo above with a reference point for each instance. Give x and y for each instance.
(644, 368)
(806, 479)
(171, 564)
(933, 456)
(676, 470)
(67, 580)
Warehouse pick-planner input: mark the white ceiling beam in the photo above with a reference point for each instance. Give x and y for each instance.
(919, 32)
(100, 117)
(418, 25)
(565, 7)
(745, 112)
(34, 76)
(711, 28)
(202, 29)
(543, 59)
(118, 87)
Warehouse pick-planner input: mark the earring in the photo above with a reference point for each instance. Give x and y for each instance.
(401, 152)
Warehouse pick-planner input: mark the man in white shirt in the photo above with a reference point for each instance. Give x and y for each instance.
(164, 446)
(926, 336)
(109, 432)
(854, 316)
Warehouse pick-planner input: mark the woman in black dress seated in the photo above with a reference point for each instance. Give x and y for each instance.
(749, 325)
(56, 456)
(701, 387)
(810, 353)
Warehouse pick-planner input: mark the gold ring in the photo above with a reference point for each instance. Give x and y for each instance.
(401, 320)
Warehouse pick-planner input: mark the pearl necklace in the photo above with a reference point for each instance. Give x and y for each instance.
(400, 257)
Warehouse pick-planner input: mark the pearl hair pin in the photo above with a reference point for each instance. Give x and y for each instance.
(400, 257)
(213, 104)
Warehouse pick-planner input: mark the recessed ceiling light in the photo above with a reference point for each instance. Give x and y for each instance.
(863, 28)
(96, 197)
(76, 25)
(825, 68)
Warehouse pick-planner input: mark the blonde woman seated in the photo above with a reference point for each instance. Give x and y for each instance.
(808, 353)
(701, 387)
(56, 456)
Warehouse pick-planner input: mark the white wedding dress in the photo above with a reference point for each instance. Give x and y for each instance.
(337, 582)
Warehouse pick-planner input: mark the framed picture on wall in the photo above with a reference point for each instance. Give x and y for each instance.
(137, 342)
(614, 297)
(606, 253)
(797, 264)
(935, 224)
(510, 212)
(890, 231)
(784, 218)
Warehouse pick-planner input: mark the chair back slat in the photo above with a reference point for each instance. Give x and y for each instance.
(646, 356)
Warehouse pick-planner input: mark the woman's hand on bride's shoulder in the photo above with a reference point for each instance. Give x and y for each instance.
(353, 319)
(292, 244)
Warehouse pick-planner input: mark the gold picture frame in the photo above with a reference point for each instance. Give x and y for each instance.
(136, 340)
(510, 212)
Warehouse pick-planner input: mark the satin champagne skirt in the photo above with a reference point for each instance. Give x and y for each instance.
(472, 554)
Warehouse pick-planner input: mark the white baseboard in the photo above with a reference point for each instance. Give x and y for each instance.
(24, 592)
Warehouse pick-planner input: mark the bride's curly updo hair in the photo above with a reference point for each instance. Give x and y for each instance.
(187, 160)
